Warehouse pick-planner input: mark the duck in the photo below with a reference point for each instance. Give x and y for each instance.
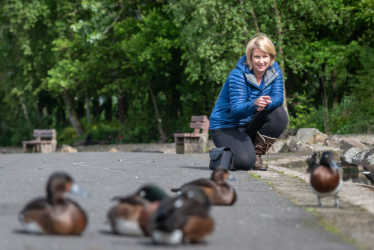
(325, 179)
(130, 215)
(313, 161)
(183, 218)
(368, 172)
(55, 214)
(216, 188)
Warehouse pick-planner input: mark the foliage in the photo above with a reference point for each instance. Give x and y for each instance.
(95, 63)
(66, 136)
(302, 113)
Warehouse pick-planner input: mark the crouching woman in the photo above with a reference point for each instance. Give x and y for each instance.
(248, 116)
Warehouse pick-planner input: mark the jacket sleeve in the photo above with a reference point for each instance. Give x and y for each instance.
(277, 89)
(241, 106)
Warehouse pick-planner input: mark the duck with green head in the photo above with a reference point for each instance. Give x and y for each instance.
(183, 218)
(130, 215)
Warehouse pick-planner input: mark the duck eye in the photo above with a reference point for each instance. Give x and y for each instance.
(190, 194)
(178, 203)
(142, 193)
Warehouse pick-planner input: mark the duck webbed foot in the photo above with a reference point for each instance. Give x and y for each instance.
(319, 202)
(336, 201)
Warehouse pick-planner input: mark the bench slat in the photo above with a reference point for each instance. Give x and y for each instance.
(201, 118)
(36, 142)
(182, 135)
(196, 135)
(199, 125)
(44, 133)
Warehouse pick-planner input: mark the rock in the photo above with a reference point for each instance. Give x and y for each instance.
(280, 146)
(287, 133)
(291, 142)
(347, 155)
(299, 147)
(347, 143)
(332, 141)
(79, 143)
(364, 157)
(310, 135)
(284, 148)
(336, 151)
(113, 150)
(68, 149)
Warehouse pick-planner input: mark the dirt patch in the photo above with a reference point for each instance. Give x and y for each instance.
(354, 221)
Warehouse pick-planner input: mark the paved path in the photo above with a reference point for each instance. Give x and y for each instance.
(261, 219)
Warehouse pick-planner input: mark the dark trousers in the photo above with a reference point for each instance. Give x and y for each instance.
(270, 123)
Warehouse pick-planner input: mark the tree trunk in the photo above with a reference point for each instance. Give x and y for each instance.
(108, 108)
(26, 114)
(163, 137)
(280, 48)
(95, 108)
(122, 106)
(324, 102)
(88, 114)
(37, 114)
(79, 106)
(335, 89)
(245, 31)
(254, 18)
(73, 117)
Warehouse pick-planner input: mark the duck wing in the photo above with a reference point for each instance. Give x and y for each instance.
(207, 183)
(37, 204)
(133, 200)
(226, 195)
(168, 216)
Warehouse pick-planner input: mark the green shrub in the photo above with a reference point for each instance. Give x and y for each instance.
(302, 113)
(66, 136)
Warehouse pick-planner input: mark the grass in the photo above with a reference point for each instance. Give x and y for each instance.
(329, 227)
(311, 210)
(254, 175)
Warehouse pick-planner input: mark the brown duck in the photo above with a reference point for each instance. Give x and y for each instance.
(325, 180)
(130, 215)
(55, 214)
(216, 188)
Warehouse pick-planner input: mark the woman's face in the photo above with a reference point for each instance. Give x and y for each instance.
(260, 61)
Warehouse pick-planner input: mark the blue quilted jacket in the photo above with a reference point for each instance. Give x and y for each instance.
(235, 105)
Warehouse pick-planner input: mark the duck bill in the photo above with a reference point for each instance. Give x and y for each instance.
(75, 189)
(333, 164)
(231, 178)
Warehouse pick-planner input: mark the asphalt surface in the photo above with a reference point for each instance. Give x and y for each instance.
(260, 219)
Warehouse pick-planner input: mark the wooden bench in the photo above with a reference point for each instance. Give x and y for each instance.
(196, 141)
(39, 145)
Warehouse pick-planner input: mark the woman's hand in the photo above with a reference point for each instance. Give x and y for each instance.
(262, 102)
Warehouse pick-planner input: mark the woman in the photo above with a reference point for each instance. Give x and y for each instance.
(248, 116)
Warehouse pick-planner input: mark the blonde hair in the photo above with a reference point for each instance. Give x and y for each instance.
(262, 42)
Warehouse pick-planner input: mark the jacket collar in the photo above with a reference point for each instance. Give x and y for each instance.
(269, 75)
